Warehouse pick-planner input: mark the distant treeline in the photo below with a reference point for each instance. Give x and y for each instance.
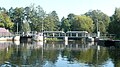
(34, 18)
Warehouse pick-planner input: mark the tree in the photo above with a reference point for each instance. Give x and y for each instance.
(115, 23)
(16, 15)
(51, 22)
(83, 23)
(65, 25)
(25, 26)
(33, 17)
(5, 21)
(55, 19)
(71, 19)
(37, 16)
(103, 20)
(35, 26)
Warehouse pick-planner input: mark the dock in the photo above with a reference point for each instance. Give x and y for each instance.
(108, 42)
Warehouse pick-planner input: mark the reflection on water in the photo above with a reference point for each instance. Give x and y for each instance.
(58, 54)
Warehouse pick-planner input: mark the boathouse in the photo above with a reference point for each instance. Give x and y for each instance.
(4, 32)
(5, 35)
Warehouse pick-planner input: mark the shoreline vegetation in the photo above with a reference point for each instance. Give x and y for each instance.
(35, 18)
(53, 39)
(60, 40)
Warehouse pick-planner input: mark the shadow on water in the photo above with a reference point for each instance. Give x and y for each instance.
(109, 43)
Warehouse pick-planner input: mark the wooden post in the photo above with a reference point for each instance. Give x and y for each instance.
(53, 34)
(66, 40)
(76, 34)
(98, 34)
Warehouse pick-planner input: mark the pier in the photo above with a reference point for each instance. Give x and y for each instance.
(52, 34)
(60, 34)
(66, 35)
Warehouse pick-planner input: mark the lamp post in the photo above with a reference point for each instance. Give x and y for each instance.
(98, 32)
(42, 25)
(97, 26)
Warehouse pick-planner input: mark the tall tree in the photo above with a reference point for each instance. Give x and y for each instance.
(83, 23)
(5, 20)
(51, 22)
(16, 16)
(102, 19)
(55, 19)
(26, 20)
(71, 20)
(114, 27)
(37, 18)
(65, 25)
(34, 18)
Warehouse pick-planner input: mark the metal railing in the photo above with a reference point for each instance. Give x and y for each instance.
(59, 34)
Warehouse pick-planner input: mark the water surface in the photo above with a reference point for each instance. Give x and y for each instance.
(57, 54)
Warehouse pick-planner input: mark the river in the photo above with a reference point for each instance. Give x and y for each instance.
(58, 54)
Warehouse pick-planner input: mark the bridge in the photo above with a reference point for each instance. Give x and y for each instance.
(70, 34)
(61, 34)
(56, 34)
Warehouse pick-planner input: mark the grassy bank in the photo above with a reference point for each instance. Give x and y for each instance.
(53, 39)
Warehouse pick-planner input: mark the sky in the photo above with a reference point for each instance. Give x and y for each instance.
(65, 7)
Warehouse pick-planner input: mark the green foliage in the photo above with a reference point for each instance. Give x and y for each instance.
(102, 19)
(53, 39)
(71, 19)
(5, 21)
(65, 25)
(26, 27)
(77, 23)
(101, 27)
(16, 15)
(32, 15)
(51, 22)
(83, 23)
(1, 24)
(55, 19)
(37, 18)
(115, 23)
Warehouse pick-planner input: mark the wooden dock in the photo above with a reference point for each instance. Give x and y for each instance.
(108, 42)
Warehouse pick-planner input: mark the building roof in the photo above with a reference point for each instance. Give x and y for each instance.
(3, 30)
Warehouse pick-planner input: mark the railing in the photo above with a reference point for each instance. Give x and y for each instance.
(77, 35)
(61, 34)
(104, 36)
